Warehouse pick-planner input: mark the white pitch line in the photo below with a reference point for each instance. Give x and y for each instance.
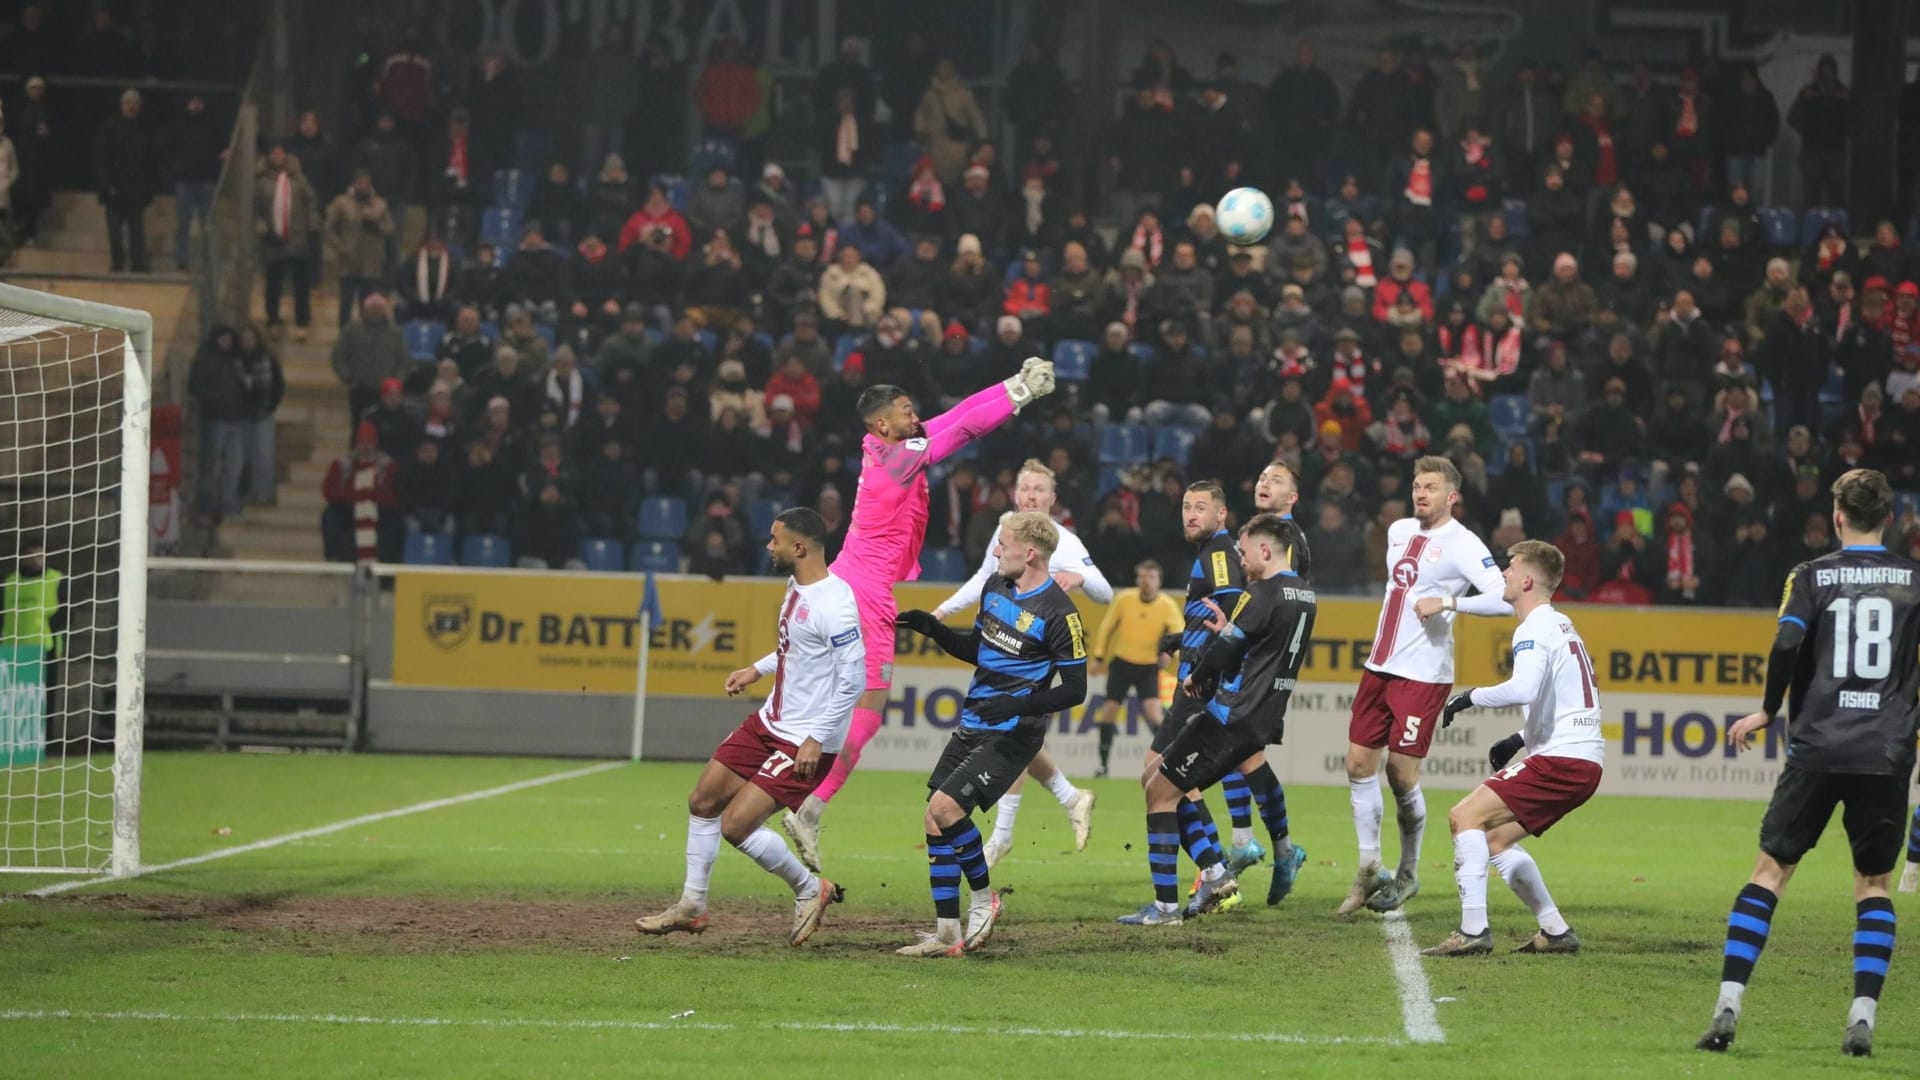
(578, 1024)
(338, 826)
(1416, 1000)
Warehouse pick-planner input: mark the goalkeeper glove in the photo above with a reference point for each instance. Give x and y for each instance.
(1461, 702)
(920, 622)
(993, 710)
(1502, 752)
(1034, 381)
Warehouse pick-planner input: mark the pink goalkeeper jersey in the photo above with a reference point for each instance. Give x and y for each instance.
(890, 506)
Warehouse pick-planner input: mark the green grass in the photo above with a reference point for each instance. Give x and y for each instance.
(494, 938)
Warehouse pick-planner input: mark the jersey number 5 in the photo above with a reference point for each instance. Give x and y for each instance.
(1410, 731)
(1869, 627)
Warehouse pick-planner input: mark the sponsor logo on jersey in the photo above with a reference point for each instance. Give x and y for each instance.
(918, 446)
(1487, 562)
(1221, 576)
(1433, 553)
(1406, 572)
(1523, 646)
(1088, 561)
(1079, 635)
(846, 637)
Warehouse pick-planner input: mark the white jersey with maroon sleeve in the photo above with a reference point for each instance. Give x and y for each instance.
(1440, 562)
(819, 668)
(1553, 679)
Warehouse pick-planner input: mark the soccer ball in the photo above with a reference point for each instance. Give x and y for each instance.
(1244, 215)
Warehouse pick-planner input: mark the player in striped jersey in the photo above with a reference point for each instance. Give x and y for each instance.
(783, 751)
(1072, 568)
(1027, 632)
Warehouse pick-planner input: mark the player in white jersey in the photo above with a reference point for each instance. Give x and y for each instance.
(1072, 568)
(1553, 680)
(1432, 560)
(783, 751)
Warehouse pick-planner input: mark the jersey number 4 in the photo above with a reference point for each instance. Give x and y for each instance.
(1862, 634)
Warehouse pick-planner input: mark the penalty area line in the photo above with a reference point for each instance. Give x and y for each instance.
(582, 1024)
(1416, 999)
(338, 826)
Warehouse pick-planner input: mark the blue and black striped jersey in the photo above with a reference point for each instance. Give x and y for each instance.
(1216, 576)
(1258, 660)
(1024, 639)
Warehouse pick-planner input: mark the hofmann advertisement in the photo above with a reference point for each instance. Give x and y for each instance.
(1671, 680)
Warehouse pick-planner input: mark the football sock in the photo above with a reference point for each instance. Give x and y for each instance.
(1106, 742)
(1163, 856)
(1413, 826)
(1005, 812)
(1470, 873)
(943, 873)
(1747, 927)
(1062, 788)
(1213, 831)
(1239, 807)
(1913, 837)
(964, 838)
(1194, 825)
(1367, 812)
(1522, 875)
(865, 723)
(810, 809)
(703, 846)
(1872, 949)
(766, 848)
(1272, 799)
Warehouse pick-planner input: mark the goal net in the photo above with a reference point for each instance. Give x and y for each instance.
(74, 413)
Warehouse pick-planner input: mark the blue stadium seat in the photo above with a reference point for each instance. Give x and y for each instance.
(427, 549)
(490, 331)
(943, 564)
(513, 188)
(763, 339)
(530, 148)
(1497, 464)
(500, 226)
(1515, 211)
(1904, 503)
(712, 152)
(486, 549)
(546, 334)
(1109, 480)
(1510, 413)
(602, 554)
(1143, 352)
(663, 518)
(1123, 444)
(655, 557)
(1174, 442)
(1783, 227)
(708, 339)
(423, 337)
(1703, 224)
(676, 187)
(976, 345)
(843, 347)
(760, 515)
(1072, 359)
(1819, 217)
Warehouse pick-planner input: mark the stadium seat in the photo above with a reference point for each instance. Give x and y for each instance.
(942, 564)
(1174, 442)
(423, 337)
(663, 518)
(760, 515)
(1510, 413)
(500, 226)
(655, 557)
(427, 549)
(490, 331)
(676, 187)
(1515, 211)
(486, 549)
(1819, 217)
(843, 347)
(1072, 360)
(600, 553)
(1497, 464)
(546, 334)
(513, 188)
(713, 152)
(1109, 480)
(1144, 353)
(1123, 444)
(708, 339)
(1783, 228)
(763, 339)
(1904, 503)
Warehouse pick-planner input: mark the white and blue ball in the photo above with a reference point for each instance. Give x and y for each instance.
(1244, 215)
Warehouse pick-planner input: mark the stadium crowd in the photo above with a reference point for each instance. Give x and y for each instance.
(1563, 281)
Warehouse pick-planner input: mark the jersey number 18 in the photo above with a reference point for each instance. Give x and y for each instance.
(1868, 625)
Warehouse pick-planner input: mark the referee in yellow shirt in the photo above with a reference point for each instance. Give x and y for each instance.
(1127, 648)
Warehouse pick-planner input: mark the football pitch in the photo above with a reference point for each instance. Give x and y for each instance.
(487, 931)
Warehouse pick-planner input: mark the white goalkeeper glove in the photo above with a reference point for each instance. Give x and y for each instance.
(1034, 381)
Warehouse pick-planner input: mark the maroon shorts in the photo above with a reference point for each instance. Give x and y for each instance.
(1395, 713)
(752, 753)
(1541, 789)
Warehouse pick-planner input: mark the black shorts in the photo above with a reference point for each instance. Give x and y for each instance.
(1875, 817)
(1184, 710)
(1206, 751)
(1142, 680)
(978, 766)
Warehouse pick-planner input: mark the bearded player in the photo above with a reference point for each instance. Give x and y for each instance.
(883, 544)
(1432, 560)
(783, 751)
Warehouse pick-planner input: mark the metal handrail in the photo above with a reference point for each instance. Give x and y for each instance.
(252, 566)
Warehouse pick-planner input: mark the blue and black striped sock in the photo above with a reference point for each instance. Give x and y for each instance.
(1163, 856)
(943, 873)
(1913, 837)
(1872, 945)
(1239, 800)
(1196, 825)
(965, 839)
(1273, 803)
(1747, 927)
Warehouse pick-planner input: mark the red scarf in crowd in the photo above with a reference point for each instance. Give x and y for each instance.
(1480, 349)
(1688, 125)
(457, 159)
(1476, 189)
(1360, 254)
(1419, 190)
(926, 194)
(1148, 243)
(1905, 331)
(1606, 171)
(1680, 553)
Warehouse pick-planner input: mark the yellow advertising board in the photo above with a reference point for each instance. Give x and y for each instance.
(578, 633)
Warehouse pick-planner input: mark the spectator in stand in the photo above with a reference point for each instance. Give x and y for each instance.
(38, 153)
(1006, 351)
(879, 242)
(845, 148)
(427, 490)
(1562, 308)
(1821, 114)
(1180, 384)
(387, 157)
(361, 522)
(852, 294)
(457, 184)
(1750, 121)
(558, 205)
(425, 284)
(915, 282)
(465, 344)
(286, 219)
(657, 218)
(356, 227)
(719, 203)
(1795, 357)
(1582, 553)
(216, 385)
(947, 120)
(717, 289)
(1415, 187)
(199, 147)
(608, 424)
(1339, 552)
(798, 385)
(612, 196)
(977, 211)
(548, 530)
(1477, 182)
(1400, 279)
(1691, 566)
(1693, 133)
(484, 495)
(369, 351)
(493, 98)
(126, 169)
(263, 384)
(567, 390)
(318, 159)
(398, 423)
(406, 88)
(608, 87)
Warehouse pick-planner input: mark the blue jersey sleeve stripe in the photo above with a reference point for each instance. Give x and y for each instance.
(1794, 619)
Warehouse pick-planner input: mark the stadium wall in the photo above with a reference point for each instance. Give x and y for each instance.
(511, 662)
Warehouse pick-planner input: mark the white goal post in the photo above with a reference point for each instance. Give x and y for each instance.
(76, 410)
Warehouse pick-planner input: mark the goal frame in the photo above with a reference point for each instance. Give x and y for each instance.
(130, 647)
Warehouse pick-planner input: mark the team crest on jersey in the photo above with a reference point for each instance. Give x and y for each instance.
(1433, 553)
(1021, 624)
(800, 614)
(1406, 572)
